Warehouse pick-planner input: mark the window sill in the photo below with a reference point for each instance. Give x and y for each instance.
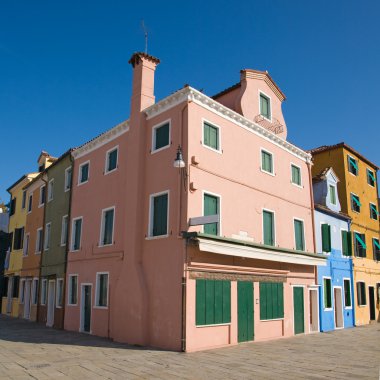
(101, 307)
(212, 149)
(213, 325)
(328, 309)
(266, 172)
(296, 185)
(105, 245)
(157, 237)
(41, 205)
(58, 307)
(160, 149)
(72, 304)
(271, 320)
(37, 253)
(265, 118)
(82, 183)
(110, 171)
(348, 307)
(75, 250)
(362, 305)
(66, 190)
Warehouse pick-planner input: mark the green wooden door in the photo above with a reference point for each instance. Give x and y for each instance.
(245, 311)
(298, 305)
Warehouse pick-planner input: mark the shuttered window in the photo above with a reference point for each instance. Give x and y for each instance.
(347, 293)
(361, 293)
(327, 298)
(296, 175)
(299, 235)
(271, 300)
(266, 161)
(211, 136)
(376, 249)
(213, 302)
(373, 211)
(371, 179)
(159, 222)
(211, 207)
(107, 226)
(346, 243)
(355, 203)
(161, 136)
(268, 225)
(326, 238)
(265, 109)
(111, 161)
(360, 245)
(353, 165)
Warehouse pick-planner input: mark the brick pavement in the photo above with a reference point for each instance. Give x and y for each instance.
(31, 351)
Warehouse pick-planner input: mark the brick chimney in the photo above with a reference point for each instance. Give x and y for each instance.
(144, 66)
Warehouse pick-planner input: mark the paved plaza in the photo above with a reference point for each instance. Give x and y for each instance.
(31, 351)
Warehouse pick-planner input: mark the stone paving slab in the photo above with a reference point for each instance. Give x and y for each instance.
(31, 351)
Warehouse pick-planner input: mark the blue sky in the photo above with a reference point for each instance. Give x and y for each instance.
(65, 77)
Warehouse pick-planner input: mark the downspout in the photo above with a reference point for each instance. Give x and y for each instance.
(312, 214)
(352, 279)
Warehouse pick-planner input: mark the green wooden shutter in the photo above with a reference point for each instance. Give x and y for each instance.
(206, 134)
(347, 293)
(226, 301)
(214, 137)
(160, 215)
(349, 243)
(296, 175)
(162, 136)
(211, 207)
(326, 238)
(299, 235)
(268, 228)
(271, 300)
(200, 305)
(327, 293)
(211, 136)
(266, 161)
(346, 243)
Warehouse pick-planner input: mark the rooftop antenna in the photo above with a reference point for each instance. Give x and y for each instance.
(146, 36)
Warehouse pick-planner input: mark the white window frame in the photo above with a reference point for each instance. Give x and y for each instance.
(24, 193)
(206, 192)
(154, 129)
(102, 226)
(150, 224)
(373, 173)
(344, 293)
(291, 175)
(273, 174)
(40, 204)
(22, 291)
(365, 290)
(35, 284)
(96, 306)
(65, 219)
(73, 234)
(43, 293)
(348, 165)
(303, 232)
(373, 244)
(274, 225)
(357, 212)
(106, 171)
(370, 211)
(47, 236)
(50, 190)
(270, 104)
(38, 240)
(30, 203)
(66, 179)
(330, 185)
(80, 173)
(323, 293)
(219, 135)
(25, 250)
(59, 280)
(69, 290)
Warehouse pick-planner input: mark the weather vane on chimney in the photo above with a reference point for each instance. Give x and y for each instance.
(146, 36)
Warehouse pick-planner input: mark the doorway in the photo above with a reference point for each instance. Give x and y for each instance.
(9, 295)
(27, 298)
(245, 311)
(86, 308)
(50, 304)
(314, 310)
(338, 308)
(299, 311)
(372, 307)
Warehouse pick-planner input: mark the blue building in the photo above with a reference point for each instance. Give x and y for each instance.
(333, 238)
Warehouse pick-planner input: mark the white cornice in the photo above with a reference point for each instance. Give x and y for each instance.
(192, 95)
(101, 140)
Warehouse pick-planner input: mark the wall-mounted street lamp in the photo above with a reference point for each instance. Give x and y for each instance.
(179, 162)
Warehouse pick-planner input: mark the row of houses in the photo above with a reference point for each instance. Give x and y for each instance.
(196, 224)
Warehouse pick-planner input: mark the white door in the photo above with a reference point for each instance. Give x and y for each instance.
(9, 295)
(50, 304)
(338, 304)
(27, 298)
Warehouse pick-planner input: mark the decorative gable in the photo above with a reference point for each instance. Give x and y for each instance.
(325, 188)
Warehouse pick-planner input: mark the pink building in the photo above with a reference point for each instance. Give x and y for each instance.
(214, 252)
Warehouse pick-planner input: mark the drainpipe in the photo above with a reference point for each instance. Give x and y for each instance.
(312, 213)
(352, 280)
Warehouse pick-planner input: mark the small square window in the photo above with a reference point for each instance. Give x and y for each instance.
(296, 175)
(373, 211)
(266, 162)
(353, 165)
(102, 289)
(265, 108)
(84, 171)
(161, 136)
(211, 136)
(371, 179)
(355, 203)
(111, 161)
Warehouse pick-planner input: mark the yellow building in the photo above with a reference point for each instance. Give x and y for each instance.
(17, 218)
(358, 196)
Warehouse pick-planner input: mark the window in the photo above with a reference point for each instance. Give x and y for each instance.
(360, 246)
(39, 241)
(13, 207)
(47, 236)
(102, 289)
(353, 165)
(355, 203)
(299, 235)
(41, 168)
(265, 109)
(268, 227)
(76, 234)
(73, 289)
(332, 192)
(35, 291)
(346, 243)
(22, 291)
(59, 293)
(159, 206)
(211, 207)
(161, 137)
(360, 289)
(30, 201)
(51, 190)
(296, 175)
(373, 211)
(18, 238)
(26, 245)
(376, 249)
(211, 136)
(326, 237)
(327, 298)
(43, 291)
(266, 162)
(10, 241)
(371, 179)
(271, 300)
(42, 195)
(111, 160)
(23, 203)
(68, 178)
(107, 224)
(347, 293)
(213, 302)
(84, 171)
(16, 284)
(65, 220)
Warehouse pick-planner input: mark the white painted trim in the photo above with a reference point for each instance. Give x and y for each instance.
(64, 235)
(102, 225)
(291, 175)
(354, 244)
(47, 236)
(43, 281)
(373, 173)
(106, 171)
(303, 233)
(154, 129)
(229, 249)
(370, 211)
(79, 183)
(344, 294)
(40, 204)
(96, 306)
(273, 173)
(59, 280)
(150, 224)
(50, 190)
(35, 284)
(323, 292)
(81, 312)
(38, 241)
(348, 164)
(274, 225)
(69, 290)
(66, 179)
(73, 234)
(334, 186)
(270, 104)
(204, 120)
(206, 192)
